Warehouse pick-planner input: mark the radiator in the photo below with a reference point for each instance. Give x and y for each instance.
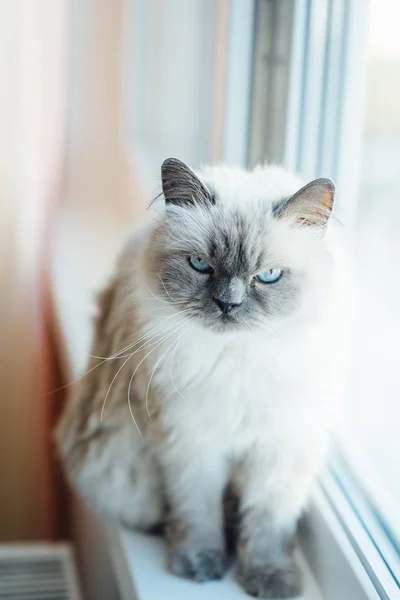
(37, 572)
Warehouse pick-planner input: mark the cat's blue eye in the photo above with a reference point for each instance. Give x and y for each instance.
(269, 276)
(200, 265)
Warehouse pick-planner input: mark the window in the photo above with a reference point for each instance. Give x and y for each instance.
(173, 113)
(374, 407)
(325, 99)
(371, 443)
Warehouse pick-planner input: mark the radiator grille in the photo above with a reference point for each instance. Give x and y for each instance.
(37, 573)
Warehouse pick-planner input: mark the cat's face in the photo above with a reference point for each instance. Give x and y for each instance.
(232, 264)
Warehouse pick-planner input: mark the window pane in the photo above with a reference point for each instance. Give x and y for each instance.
(272, 49)
(373, 403)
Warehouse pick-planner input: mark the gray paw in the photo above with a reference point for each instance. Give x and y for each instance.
(202, 565)
(271, 581)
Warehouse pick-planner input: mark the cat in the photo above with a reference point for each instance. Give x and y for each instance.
(216, 365)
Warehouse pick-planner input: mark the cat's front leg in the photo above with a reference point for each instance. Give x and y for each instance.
(195, 484)
(266, 567)
(273, 495)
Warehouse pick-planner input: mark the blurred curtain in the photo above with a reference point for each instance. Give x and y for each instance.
(67, 195)
(32, 116)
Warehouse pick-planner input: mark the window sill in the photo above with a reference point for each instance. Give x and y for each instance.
(139, 564)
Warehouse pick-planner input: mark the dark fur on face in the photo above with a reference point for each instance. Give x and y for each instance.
(234, 246)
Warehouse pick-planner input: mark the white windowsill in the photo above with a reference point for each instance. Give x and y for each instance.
(139, 563)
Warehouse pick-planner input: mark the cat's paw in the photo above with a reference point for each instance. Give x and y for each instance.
(198, 565)
(271, 581)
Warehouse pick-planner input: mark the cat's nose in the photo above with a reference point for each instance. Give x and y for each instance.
(225, 307)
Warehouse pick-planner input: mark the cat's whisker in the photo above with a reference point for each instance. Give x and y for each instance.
(170, 368)
(155, 310)
(156, 298)
(166, 291)
(148, 341)
(144, 298)
(105, 359)
(159, 337)
(154, 369)
(131, 381)
(140, 339)
(146, 335)
(160, 299)
(144, 346)
(110, 386)
(113, 356)
(63, 387)
(134, 420)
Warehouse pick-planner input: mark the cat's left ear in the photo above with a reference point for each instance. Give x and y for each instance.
(181, 186)
(311, 205)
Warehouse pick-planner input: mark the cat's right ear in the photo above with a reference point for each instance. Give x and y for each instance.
(181, 186)
(311, 206)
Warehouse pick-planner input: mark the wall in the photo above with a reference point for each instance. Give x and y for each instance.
(32, 67)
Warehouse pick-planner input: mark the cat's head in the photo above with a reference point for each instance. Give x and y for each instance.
(236, 249)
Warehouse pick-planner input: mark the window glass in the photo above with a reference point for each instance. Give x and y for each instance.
(372, 429)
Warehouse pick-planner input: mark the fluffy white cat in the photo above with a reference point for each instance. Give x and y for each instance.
(222, 337)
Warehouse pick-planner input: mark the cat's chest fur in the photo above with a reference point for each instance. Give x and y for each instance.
(232, 393)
